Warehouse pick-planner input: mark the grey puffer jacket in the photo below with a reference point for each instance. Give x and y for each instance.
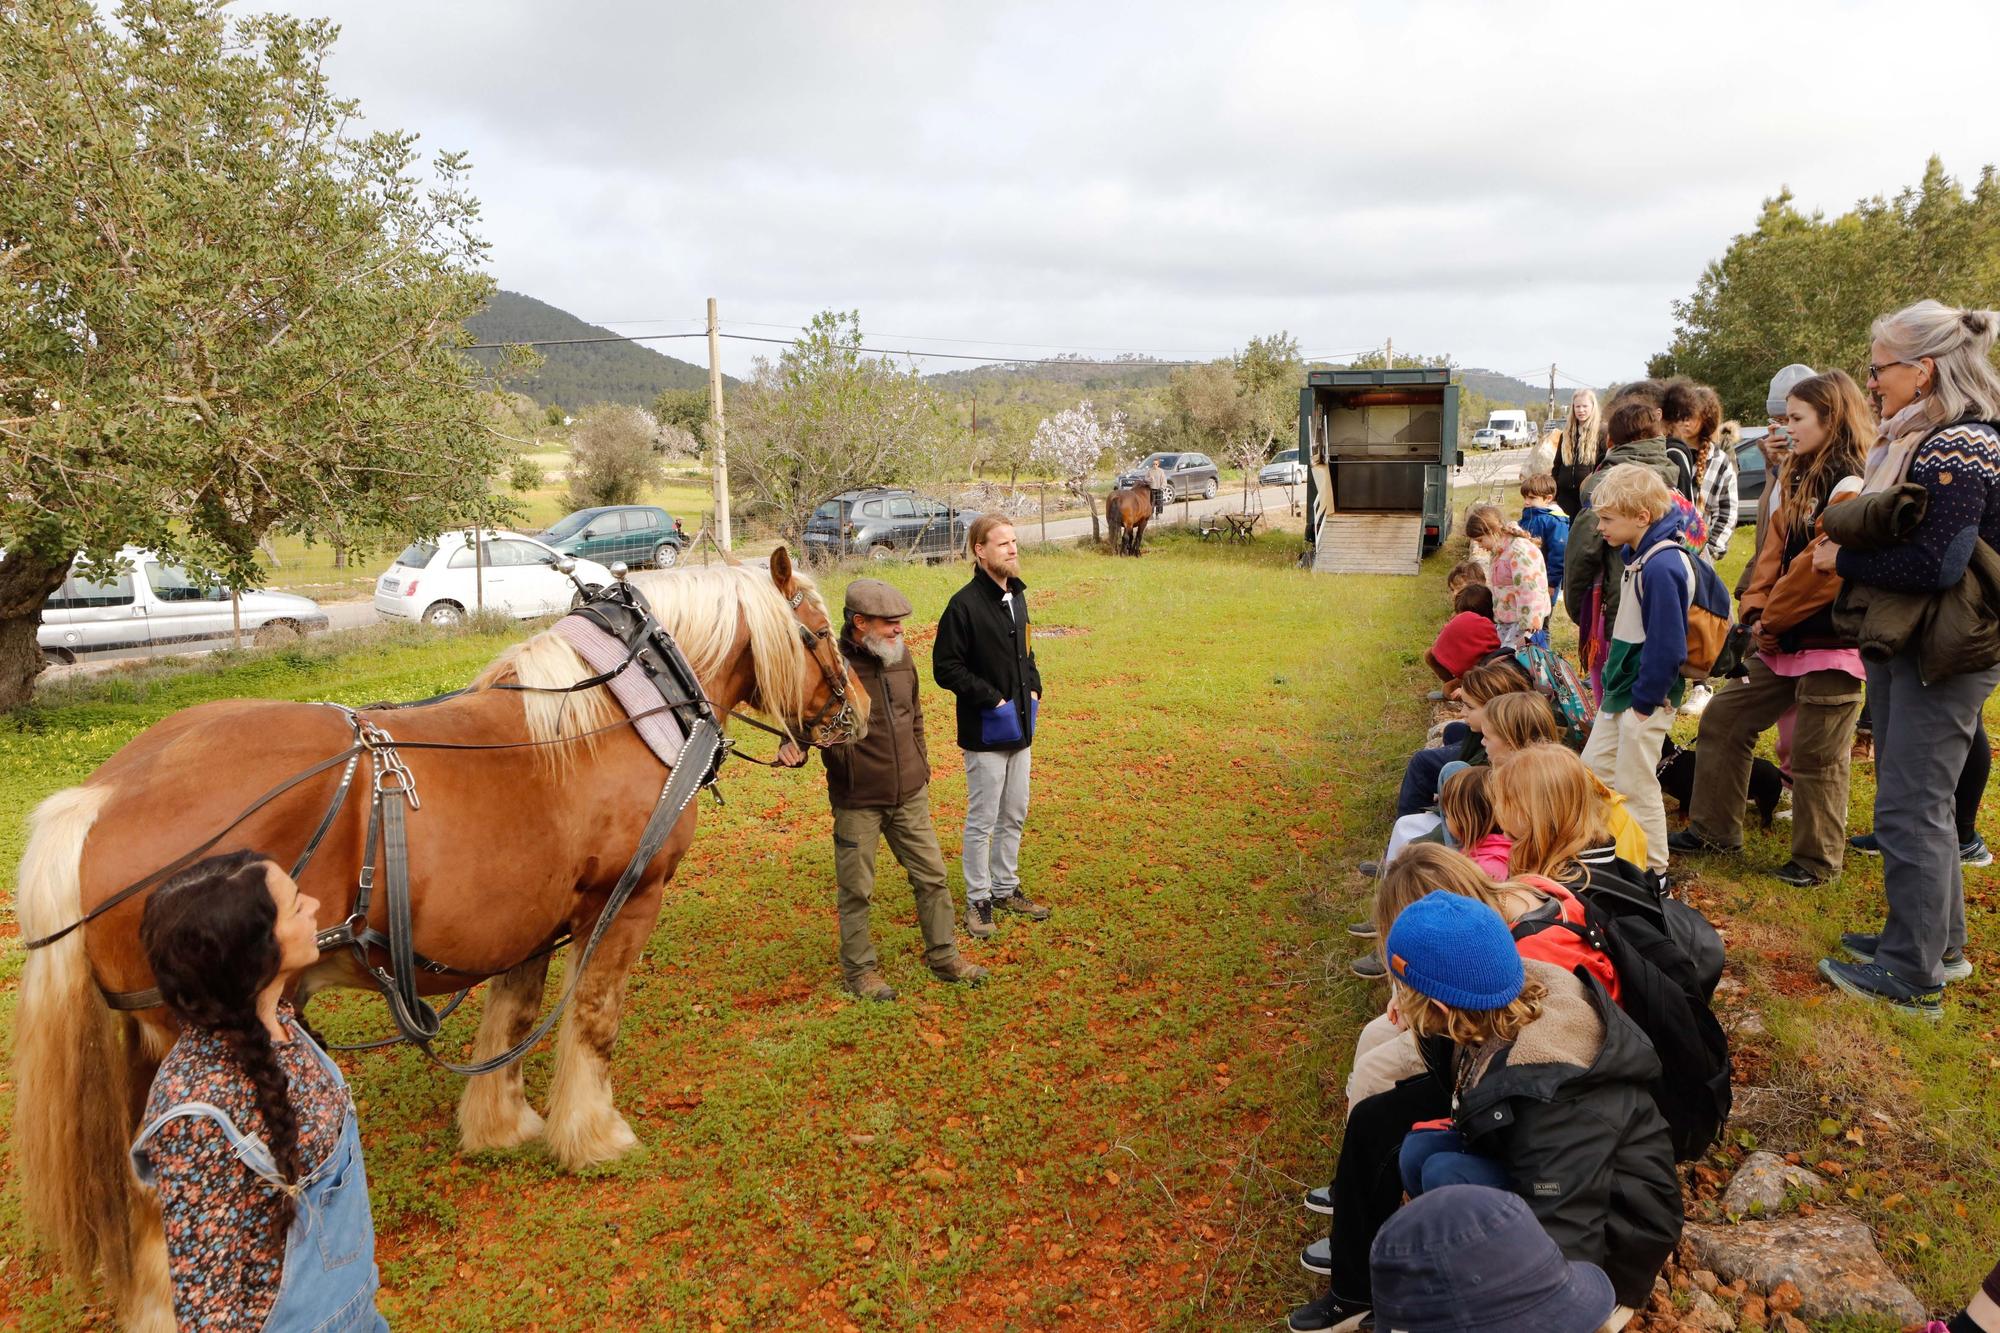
(1567, 1109)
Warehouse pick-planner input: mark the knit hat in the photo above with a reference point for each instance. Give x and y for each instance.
(1781, 387)
(1465, 1258)
(1457, 951)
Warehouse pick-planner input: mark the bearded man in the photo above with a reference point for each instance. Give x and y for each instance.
(879, 787)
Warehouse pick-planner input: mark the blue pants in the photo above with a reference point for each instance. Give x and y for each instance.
(1420, 778)
(1434, 1158)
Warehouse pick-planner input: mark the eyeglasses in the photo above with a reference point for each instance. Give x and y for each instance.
(1875, 371)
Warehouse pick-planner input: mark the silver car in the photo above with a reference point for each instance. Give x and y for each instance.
(158, 607)
(1284, 469)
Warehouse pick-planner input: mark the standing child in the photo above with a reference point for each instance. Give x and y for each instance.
(1648, 644)
(1548, 525)
(1520, 579)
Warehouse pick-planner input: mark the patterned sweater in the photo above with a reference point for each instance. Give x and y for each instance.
(223, 1260)
(1960, 467)
(1520, 583)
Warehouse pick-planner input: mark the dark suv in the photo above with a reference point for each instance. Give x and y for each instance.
(885, 521)
(1188, 475)
(635, 534)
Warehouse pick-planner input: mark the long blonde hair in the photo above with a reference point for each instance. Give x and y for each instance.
(1423, 867)
(1559, 808)
(1470, 1027)
(1464, 804)
(1583, 442)
(1484, 520)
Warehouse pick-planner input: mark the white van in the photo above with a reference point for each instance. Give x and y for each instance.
(1512, 423)
(161, 608)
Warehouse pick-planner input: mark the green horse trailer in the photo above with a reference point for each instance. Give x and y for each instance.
(1380, 446)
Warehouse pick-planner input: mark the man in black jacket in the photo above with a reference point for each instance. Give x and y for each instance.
(986, 657)
(879, 787)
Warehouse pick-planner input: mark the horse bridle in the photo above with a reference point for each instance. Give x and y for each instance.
(820, 729)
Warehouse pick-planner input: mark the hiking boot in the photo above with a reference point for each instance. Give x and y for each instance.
(871, 985)
(1872, 981)
(1954, 966)
(1866, 843)
(1361, 930)
(1369, 966)
(1976, 852)
(1792, 873)
(1328, 1312)
(1320, 1200)
(1020, 904)
(1318, 1257)
(1687, 841)
(958, 969)
(979, 918)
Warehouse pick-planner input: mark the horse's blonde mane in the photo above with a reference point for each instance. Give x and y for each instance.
(702, 609)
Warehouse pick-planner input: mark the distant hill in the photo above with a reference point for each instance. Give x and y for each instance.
(1505, 390)
(1127, 372)
(577, 376)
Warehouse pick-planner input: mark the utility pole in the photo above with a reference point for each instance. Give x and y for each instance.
(716, 429)
(1388, 354)
(1552, 393)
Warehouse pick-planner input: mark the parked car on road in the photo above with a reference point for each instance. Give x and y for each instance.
(884, 521)
(439, 582)
(1283, 470)
(1750, 473)
(635, 534)
(153, 604)
(1188, 475)
(1486, 437)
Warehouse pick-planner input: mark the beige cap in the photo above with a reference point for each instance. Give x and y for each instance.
(873, 597)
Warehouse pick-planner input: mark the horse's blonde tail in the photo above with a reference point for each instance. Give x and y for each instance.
(71, 1100)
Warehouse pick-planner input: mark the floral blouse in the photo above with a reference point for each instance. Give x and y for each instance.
(224, 1261)
(1520, 584)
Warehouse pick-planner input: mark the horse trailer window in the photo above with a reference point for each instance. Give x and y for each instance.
(418, 555)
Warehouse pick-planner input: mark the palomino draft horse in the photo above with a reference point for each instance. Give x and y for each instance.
(512, 848)
(1126, 514)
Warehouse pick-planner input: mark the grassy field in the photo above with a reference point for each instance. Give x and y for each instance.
(1114, 1129)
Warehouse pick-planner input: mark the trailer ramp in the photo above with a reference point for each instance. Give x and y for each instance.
(1369, 544)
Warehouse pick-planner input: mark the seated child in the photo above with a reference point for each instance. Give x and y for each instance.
(1480, 685)
(1566, 825)
(1648, 644)
(1517, 720)
(1463, 573)
(1519, 577)
(1548, 525)
(1468, 817)
(1553, 1091)
(1466, 638)
(1466, 1256)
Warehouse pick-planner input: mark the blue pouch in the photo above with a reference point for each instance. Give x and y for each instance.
(1001, 724)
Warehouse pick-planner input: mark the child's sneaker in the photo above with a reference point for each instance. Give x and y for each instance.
(1320, 1200)
(1976, 852)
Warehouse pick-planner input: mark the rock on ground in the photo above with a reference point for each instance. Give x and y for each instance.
(1829, 1257)
(1763, 1184)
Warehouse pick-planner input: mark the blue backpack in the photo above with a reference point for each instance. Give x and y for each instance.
(1558, 680)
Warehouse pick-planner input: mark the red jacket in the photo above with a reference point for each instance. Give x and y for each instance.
(1549, 943)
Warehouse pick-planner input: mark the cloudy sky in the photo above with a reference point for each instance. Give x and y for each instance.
(1513, 183)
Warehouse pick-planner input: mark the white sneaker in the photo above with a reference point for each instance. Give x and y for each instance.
(1697, 699)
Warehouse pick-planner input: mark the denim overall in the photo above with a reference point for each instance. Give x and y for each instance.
(329, 1273)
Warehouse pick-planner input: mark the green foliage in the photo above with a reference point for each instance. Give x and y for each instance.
(525, 475)
(685, 409)
(612, 459)
(1806, 288)
(225, 312)
(580, 374)
(825, 417)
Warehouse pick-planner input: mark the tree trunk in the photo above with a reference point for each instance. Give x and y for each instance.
(1090, 502)
(26, 581)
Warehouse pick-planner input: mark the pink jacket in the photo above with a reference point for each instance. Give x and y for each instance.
(1491, 853)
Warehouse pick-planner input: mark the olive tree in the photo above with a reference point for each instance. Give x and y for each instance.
(225, 310)
(612, 456)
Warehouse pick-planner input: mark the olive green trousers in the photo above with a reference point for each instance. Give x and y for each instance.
(912, 838)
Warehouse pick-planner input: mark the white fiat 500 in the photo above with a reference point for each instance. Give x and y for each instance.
(441, 582)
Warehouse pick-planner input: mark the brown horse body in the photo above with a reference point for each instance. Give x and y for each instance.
(1126, 514)
(509, 849)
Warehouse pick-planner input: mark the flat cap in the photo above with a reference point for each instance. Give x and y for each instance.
(872, 597)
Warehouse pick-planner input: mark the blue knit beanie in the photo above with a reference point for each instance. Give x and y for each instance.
(1457, 951)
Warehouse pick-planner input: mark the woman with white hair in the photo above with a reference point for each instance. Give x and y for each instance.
(1932, 374)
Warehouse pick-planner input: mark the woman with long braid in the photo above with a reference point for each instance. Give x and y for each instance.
(249, 1135)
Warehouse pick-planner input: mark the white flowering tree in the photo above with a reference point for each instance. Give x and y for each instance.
(1072, 444)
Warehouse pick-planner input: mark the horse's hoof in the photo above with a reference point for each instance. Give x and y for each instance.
(525, 1126)
(592, 1142)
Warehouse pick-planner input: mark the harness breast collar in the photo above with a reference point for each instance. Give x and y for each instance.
(619, 610)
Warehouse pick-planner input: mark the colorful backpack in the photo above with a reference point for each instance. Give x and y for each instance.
(1708, 609)
(1558, 680)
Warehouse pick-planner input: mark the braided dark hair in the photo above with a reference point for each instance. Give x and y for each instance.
(210, 935)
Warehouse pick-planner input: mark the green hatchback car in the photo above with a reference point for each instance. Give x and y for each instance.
(635, 534)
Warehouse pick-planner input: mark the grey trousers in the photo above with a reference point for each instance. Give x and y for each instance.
(996, 806)
(1922, 735)
(907, 827)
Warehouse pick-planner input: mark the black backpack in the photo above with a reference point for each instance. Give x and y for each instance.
(1664, 988)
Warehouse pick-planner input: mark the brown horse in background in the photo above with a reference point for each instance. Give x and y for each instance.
(511, 848)
(1126, 514)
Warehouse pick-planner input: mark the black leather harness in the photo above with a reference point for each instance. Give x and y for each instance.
(619, 610)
